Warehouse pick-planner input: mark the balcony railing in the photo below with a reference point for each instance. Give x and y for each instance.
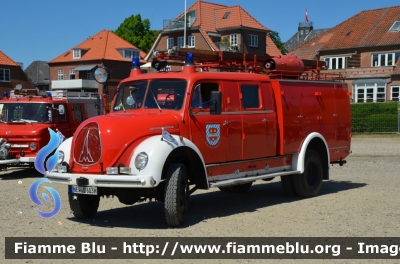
(74, 84)
(178, 24)
(224, 46)
(364, 72)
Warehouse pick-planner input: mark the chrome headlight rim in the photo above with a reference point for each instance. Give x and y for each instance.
(141, 160)
(32, 146)
(61, 156)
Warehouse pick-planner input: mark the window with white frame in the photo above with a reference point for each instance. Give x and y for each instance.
(385, 59)
(90, 75)
(369, 92)
(77, 54)
(253, 40)
(395, 93)
(129, 54)
(180, 42)
(233, 40)
(395, 27)
(71, 74)
(336, 63)
(60, 74)
(191, 41)
(5, 75)
(170, 43)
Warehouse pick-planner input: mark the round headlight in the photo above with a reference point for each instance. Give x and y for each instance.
(141, 160)
(32, 146)
(60, 156)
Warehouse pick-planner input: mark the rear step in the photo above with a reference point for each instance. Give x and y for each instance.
(250, 179)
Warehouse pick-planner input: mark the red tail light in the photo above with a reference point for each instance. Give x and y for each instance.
(87, 145)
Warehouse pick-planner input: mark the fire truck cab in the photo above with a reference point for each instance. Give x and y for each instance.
(170, 133)
(26, 116)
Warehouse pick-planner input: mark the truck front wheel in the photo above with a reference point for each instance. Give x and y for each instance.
(308, 184)
(83, 205)
(176, 194)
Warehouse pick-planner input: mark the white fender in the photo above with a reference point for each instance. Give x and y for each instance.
(158, 151)
(298, 159)
(66, 148)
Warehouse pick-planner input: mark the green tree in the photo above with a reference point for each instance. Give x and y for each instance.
(278, 42)
(137, 32)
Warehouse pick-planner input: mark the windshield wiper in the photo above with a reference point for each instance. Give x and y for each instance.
(155, 100)
(122, 105)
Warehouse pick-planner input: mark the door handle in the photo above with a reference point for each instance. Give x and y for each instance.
(334, 114)
(225, 123)
(300, 116)
(264, 120)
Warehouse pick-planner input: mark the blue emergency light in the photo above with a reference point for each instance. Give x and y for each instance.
(189, 59)
(49, 94)
(5, 94)
(135, 63)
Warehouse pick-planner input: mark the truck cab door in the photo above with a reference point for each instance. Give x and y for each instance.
(207, 131)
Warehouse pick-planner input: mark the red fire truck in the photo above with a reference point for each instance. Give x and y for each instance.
(26, 116)
(216, 123)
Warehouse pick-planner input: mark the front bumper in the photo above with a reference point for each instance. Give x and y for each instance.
(16, 161)
(103, 180)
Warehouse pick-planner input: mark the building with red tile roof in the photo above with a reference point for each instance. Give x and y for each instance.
(11, 74)
(72, 70)
(215, 27)
(365, 49)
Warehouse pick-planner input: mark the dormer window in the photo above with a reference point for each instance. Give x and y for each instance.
(77, 54)
(130, 53)
(395, 27)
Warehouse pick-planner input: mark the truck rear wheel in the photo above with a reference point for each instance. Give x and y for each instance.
(309, 183)
(83, 205)
(288, 185)
(176, 194)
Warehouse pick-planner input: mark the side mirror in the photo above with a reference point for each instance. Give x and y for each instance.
(216, 103)
(61, 109)
(101, 74)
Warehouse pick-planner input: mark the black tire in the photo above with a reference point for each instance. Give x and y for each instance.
(224, 189)
(83, 205)
(176, 195)
(241, 188)
(309, 183)
(288, 185)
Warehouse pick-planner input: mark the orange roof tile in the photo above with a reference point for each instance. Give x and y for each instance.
(272, 49)
(366, 29)
(103, 45)
(5, 60)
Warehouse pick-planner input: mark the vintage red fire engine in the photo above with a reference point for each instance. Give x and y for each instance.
(170, 133)
(26, 116)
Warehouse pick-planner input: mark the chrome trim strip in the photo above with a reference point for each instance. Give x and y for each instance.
(243, 161)
(11, 161)
(59, 178)
(98, 181)
(244, 173)
(238, 112)
(250, 179)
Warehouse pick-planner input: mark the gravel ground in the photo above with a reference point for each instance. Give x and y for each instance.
(360, 200)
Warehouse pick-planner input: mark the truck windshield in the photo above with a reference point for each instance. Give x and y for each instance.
(25, 112)
(161, 94)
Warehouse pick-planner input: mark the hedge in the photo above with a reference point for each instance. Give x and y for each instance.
(375, 117)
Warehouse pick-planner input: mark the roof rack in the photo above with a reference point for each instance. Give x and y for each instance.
(55, 94)
(279, 67)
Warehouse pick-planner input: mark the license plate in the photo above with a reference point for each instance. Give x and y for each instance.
(84, 190)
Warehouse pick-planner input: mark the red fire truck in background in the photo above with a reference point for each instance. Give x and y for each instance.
(217, 123)
(26, 116)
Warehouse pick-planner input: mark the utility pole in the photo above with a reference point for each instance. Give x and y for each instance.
(184, 31)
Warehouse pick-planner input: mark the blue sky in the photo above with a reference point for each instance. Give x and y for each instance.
(44, 29)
